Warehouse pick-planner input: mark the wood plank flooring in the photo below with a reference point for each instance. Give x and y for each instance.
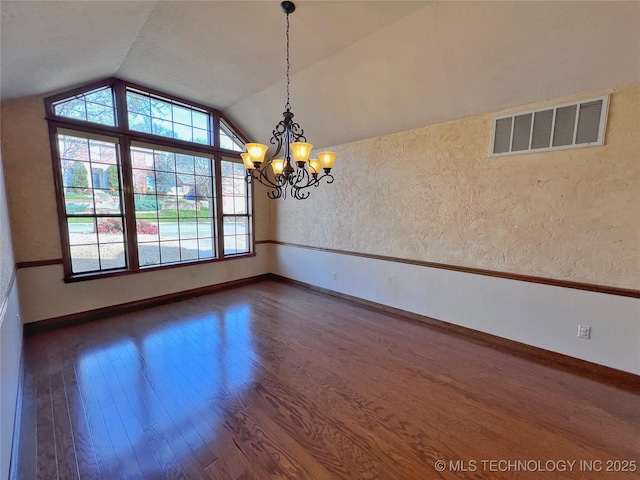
(273, 381)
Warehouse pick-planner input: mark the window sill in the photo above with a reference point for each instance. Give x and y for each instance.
(80, 277)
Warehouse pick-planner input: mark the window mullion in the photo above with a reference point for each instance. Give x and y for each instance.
(215, 116)
(127, 178)
(219, 216)
(129, 204)
(121, 105)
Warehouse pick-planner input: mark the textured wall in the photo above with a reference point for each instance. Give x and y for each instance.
(29, 180)
(433, 194)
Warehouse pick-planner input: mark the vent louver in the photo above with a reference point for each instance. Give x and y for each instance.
(569, 125)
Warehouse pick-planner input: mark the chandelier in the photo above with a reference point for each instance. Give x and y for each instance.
(293, 172)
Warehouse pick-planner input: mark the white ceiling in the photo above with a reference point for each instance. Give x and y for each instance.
(360, 68)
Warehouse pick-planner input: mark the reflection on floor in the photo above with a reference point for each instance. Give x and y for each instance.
(275, 381)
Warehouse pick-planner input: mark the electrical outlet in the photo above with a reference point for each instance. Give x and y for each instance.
(334, 276)
(584, 332)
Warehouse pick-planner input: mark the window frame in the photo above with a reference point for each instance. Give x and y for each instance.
(248, 215)
(95, 215)
(125, 138)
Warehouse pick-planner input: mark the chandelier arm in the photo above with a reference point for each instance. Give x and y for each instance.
(278, 184)
(299, 194)
(262, 177)
(278, 149)
(314, 183)
(304, 180)
(276, 191)
(297, 133)
(300, 175)
(276, 138)
(328, 176)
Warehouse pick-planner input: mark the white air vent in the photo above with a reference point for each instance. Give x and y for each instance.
(570, 125)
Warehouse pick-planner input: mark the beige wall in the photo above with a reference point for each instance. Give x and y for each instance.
(34, 223)
(434, 194)
(44, 295)
(29, 177)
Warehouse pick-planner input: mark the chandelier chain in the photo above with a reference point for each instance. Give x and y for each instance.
(288, 104)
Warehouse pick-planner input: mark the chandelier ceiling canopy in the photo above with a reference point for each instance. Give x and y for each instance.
(289, 171)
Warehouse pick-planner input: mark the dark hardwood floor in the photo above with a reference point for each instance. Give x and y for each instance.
(276, 381)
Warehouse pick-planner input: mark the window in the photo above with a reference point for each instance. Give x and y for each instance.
(93, 202)
(229, 139)
(570, 125)
(160, 116)
(144, 184)
(96, 106)
(236, 204)
(175, 206)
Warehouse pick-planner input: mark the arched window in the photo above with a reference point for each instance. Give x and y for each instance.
(145, 180)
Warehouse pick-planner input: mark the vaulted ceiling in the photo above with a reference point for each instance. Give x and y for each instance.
(360, 68)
